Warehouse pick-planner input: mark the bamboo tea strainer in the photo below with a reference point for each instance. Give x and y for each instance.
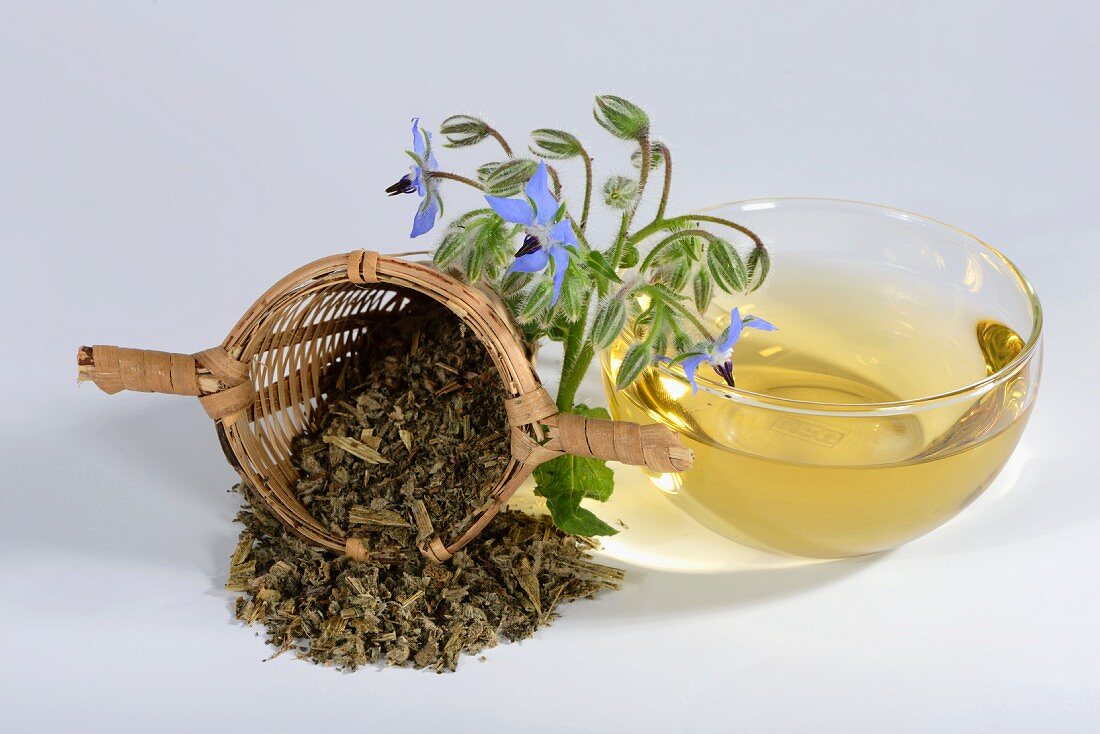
(264, 383)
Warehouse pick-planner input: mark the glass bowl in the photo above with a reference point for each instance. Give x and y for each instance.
(902, 375)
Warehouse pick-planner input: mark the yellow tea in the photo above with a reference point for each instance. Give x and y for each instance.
(805, 458)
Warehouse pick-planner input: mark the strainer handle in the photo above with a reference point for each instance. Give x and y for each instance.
(653, 446)
(216, 378)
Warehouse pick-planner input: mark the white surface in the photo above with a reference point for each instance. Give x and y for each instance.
(163, 163)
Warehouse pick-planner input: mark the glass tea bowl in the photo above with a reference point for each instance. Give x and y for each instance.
(902, 374)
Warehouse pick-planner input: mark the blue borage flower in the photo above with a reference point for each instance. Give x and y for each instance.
(419, 179)
(719, 353)
(547, 233)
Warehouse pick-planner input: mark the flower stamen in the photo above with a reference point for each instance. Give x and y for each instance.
(531, 243)
(404, 185)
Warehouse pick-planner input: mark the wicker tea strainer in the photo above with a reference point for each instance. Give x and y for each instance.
(263, 384)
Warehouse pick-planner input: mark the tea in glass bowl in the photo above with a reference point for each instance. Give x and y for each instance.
(898, 383)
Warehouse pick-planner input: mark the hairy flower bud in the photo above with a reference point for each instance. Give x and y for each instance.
(619, 192)
(609, 322)
(621, 118)
(636, 359)
(554, 144)
(726, 266)
(505, 178)
(759, 263)
(703, 290)
(463, 130)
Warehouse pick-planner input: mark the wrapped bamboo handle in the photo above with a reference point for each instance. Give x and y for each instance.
(257, 436)
(653, 446)
(216, 378)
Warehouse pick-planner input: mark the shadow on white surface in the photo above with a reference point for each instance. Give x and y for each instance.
(152, 484)
(652, 593)
(147, 483)
(676, 566)
(1036, 495)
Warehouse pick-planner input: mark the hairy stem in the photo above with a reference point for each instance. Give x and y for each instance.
(628, 215)
(655, 327)
(678, 329)
(680, 308)
(670, 240)
(575, 362)
(455, 177)
(579, 231)
(666, 184)
(572, 375)
(666, 223)
(587, 186)
(620, 242)
(557, 181)
(643, 176)
(500, 139)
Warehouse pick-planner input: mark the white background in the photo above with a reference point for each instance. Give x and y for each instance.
(162, 163)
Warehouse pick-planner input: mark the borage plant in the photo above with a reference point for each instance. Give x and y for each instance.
(528, 246)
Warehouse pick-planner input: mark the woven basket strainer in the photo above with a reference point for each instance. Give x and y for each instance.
(263, 384)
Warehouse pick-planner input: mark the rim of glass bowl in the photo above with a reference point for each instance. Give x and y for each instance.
(770, 402)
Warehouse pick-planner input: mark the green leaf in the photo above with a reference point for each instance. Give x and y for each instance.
(574, 288)
(493, 236)
(569, 515)
(512, 283)
(661, 292)
(559, 213)
(450, 247)
(621, 118)
(704, 291)
(759, 263)
(536, 302)
(558, 331)
(726, 266)
(554, 144)
(463, 130)
(676, 274)
(566, 480)
(506, 178)
(587, 412)
(470, 215)
(609, 322)
(683, 343)
(634, 362)
(659, 342)
(619, 192)
(486, 237)
(599, 265)
(691, 352)
(475, 264)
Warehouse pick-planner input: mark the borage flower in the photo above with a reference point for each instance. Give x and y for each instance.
(546, 234)
(419, 179)
(719, 353)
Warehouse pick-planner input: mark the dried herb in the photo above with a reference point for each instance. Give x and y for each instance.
(413, 438)
(410, 611)
(417, 423)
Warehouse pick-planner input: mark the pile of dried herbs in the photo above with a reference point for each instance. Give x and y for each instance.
(414, 434)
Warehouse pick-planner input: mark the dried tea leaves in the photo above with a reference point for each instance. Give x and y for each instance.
(419, 424)
(413, 439)
(410, 611)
